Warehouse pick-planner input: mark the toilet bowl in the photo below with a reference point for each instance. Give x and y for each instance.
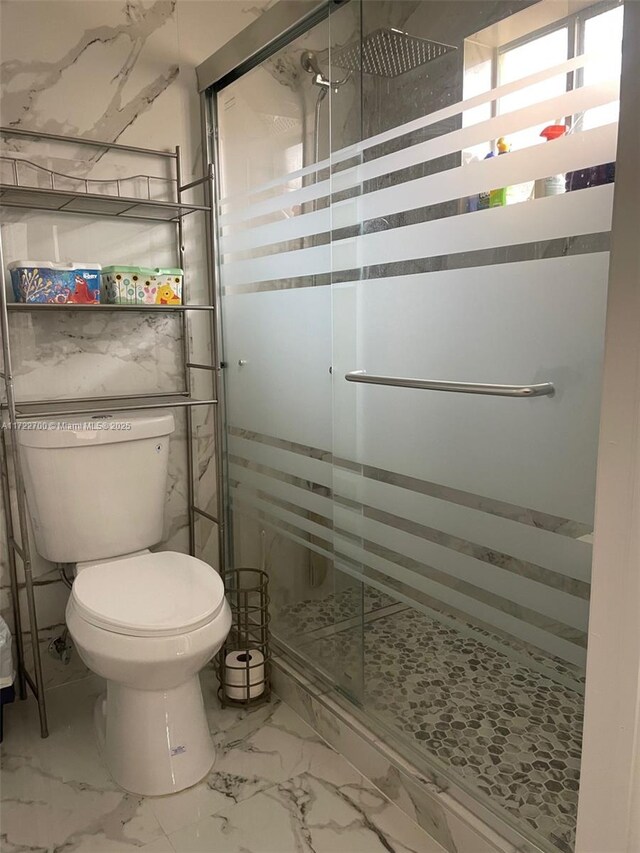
(148, 623)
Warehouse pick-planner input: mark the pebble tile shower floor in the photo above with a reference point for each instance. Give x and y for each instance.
(506, 729)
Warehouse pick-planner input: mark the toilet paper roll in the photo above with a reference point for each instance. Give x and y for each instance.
(235, 674)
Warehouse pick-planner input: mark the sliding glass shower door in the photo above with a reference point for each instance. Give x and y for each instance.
(275, 139)
(414, 217)
(469, 272)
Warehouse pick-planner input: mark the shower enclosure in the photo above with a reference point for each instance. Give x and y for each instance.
(413, 286)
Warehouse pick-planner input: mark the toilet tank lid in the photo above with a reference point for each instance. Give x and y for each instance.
(101, 428)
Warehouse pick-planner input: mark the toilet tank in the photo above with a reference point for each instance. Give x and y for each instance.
(96, 487)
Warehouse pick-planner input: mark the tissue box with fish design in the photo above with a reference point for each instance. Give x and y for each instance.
(46, 281)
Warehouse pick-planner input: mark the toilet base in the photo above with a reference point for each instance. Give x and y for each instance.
(154, 741)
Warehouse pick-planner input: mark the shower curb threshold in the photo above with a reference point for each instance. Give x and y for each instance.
(428, 801)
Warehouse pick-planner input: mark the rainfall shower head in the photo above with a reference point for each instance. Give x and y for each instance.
(388, 52)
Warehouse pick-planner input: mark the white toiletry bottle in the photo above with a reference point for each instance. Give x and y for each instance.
(554, 184)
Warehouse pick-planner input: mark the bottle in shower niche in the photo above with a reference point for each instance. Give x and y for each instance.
(484, 199)
(554, 184)
(498, 198)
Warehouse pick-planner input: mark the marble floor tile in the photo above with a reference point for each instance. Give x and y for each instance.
(275, 786)
(71, 751)
(57, 792)
(176, 811)
(160, 845)
(263, 750)
(308, 814)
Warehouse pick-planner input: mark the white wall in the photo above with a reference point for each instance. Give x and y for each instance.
(609, 806)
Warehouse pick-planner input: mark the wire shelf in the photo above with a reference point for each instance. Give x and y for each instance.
(43, 191)
(94, 204)
(61, 307)
(97, 405)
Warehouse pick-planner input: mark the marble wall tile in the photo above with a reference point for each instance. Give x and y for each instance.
(126, 73)
(207, 540)
(57, 355)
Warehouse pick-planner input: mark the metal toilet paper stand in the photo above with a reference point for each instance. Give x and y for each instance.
(244, 661)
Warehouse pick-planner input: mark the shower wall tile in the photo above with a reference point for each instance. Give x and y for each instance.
(288, 564)
(120, 72)
(391, 102)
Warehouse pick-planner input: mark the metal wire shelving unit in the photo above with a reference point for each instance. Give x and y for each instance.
(79, 200)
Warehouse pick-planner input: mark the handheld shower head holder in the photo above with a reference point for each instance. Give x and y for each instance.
(310, 64)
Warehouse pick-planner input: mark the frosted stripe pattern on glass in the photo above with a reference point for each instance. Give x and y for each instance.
(579, 147)
(535, 569)
(320, 221)
(385, 583)
(566, 215)
(474, 509)
(398, 131)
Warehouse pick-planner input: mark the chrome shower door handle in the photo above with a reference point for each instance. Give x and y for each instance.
(542, 389)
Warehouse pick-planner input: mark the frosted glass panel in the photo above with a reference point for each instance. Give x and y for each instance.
(277, 340)
(442, 294)
(454, 263)
(278, 352)
(236, 201)
(401, 581)
(516, 324)
(373, 226)
(568, 214)
(563, 554)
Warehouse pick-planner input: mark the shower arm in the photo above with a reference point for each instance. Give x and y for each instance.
(309, 62)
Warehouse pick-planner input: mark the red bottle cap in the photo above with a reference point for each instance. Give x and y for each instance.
(553, 131)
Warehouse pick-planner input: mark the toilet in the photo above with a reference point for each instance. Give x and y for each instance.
(145, 621)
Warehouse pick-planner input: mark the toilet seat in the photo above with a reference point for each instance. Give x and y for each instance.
(149, 595)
